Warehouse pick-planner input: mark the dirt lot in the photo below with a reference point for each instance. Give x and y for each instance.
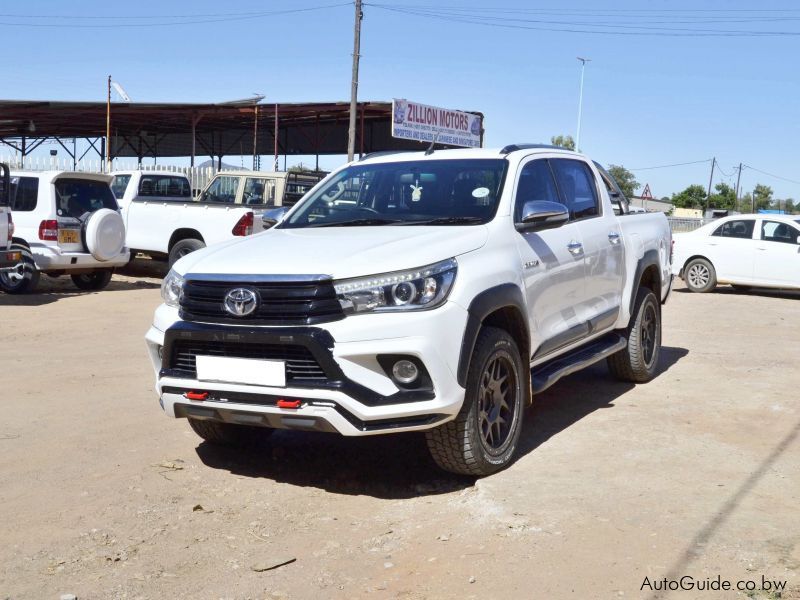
(696, 474)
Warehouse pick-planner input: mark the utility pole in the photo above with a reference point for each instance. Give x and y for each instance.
(351, 135)
(738, 179)
(710, 179)
(108, 126)
(580, 103)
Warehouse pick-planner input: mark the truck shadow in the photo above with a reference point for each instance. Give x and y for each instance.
(398, 466)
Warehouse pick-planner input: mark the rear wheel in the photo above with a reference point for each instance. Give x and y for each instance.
(483, 437)
(182, 248)
(700, 276)
(228, 434)
(96, 280)
(23, 278)
(638, 361)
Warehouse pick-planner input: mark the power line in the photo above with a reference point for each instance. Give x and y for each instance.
(695, 162)
(186, 19)
(771, 174)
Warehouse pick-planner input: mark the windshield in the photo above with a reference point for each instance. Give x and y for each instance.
(76, 197)
(425, 192)
(119, 184)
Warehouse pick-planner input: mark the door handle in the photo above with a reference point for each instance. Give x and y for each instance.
(613, 237)
(575, 248)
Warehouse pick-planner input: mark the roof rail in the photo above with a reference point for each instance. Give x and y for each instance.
(514, 147)
(383, 153)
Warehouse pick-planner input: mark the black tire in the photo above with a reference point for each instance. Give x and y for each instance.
(24, 278)
(183, 247)
(467, 445)
(700, 276)
(228, 434)
(96, 280)
(638, 361)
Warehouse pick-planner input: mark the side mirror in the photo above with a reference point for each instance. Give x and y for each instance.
(614, 194)
(798, 239)
(273, 216)
(542, 214)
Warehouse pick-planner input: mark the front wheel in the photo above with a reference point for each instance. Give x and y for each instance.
(182, 248)
(700, 276)
(96, 280)
(228, 434)
(484, 435)
(638, 361)
(23, 278)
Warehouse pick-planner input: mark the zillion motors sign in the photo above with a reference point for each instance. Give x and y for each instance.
(423, 123)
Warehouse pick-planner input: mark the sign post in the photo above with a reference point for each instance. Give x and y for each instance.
(423, 123)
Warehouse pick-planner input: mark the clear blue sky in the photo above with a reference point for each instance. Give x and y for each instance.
(648, 100)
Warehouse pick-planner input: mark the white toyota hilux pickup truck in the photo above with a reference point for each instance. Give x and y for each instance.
(442, 295)
(162, 218)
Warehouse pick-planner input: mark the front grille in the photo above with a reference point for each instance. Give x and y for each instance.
(300, 362)
(279, 302)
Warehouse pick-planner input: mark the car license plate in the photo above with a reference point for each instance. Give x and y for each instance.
(248, 371)
(69, 236)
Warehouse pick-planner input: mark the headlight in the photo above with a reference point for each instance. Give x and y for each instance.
(425, 287)
(172, 289)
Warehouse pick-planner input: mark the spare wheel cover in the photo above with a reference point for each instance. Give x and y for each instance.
(105, 234)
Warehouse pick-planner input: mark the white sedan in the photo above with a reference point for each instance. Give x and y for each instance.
(741, 250)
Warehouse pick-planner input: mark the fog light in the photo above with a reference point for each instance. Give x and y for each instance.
(405, 371)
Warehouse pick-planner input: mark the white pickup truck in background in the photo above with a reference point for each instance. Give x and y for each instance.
(162, 218)
(416, 291)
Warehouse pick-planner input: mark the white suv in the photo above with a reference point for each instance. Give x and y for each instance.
(65, 223)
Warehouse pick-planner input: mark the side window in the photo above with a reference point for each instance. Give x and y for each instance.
(164, 186)
(577, 185)
(736, 229)
(773, 231)
(258, 190)
(222, 189)
(24, 191)
(535, 183)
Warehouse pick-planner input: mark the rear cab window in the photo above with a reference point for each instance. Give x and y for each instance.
(24, 193)
(164, 186)
(76, 197)
(742, 228)
(119, 184)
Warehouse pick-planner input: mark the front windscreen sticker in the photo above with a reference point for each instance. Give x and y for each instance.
(480, 192)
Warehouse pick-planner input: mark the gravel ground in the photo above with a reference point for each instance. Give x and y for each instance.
(694, 474)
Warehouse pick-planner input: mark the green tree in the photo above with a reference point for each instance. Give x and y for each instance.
(763, 196)
(563, 141)
(724, 198)
(625, 180)
(788, 206)
(693, 196)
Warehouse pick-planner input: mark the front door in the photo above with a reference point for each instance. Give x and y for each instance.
(777, 259)
(731, 249)
(552, 262)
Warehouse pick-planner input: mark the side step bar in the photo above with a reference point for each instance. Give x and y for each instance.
(548, 373)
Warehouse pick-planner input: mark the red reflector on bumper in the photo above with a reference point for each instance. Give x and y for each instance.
(288, 403)
(196, 395)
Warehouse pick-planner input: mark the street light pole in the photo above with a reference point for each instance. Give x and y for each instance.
(580, 103)
(351, 133)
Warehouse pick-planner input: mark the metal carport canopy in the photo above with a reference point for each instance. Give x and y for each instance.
(224, 129)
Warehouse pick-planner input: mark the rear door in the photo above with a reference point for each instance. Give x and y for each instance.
(777, 256)
(5, 211)
(604, 260)
(731, 249)
(553, 266)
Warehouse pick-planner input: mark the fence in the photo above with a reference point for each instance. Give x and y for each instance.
(683, 224)
(198, 176)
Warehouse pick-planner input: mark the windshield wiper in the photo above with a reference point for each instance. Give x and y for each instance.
(359, 223)
(454, 220)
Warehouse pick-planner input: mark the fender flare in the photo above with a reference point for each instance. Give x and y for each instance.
(501, 296)
(650, 259)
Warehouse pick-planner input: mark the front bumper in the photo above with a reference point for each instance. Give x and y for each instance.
(48, 258)
(355, 397)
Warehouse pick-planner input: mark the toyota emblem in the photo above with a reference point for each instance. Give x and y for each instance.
(240, 302)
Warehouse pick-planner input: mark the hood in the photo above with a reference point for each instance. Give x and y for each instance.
(340, 252)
